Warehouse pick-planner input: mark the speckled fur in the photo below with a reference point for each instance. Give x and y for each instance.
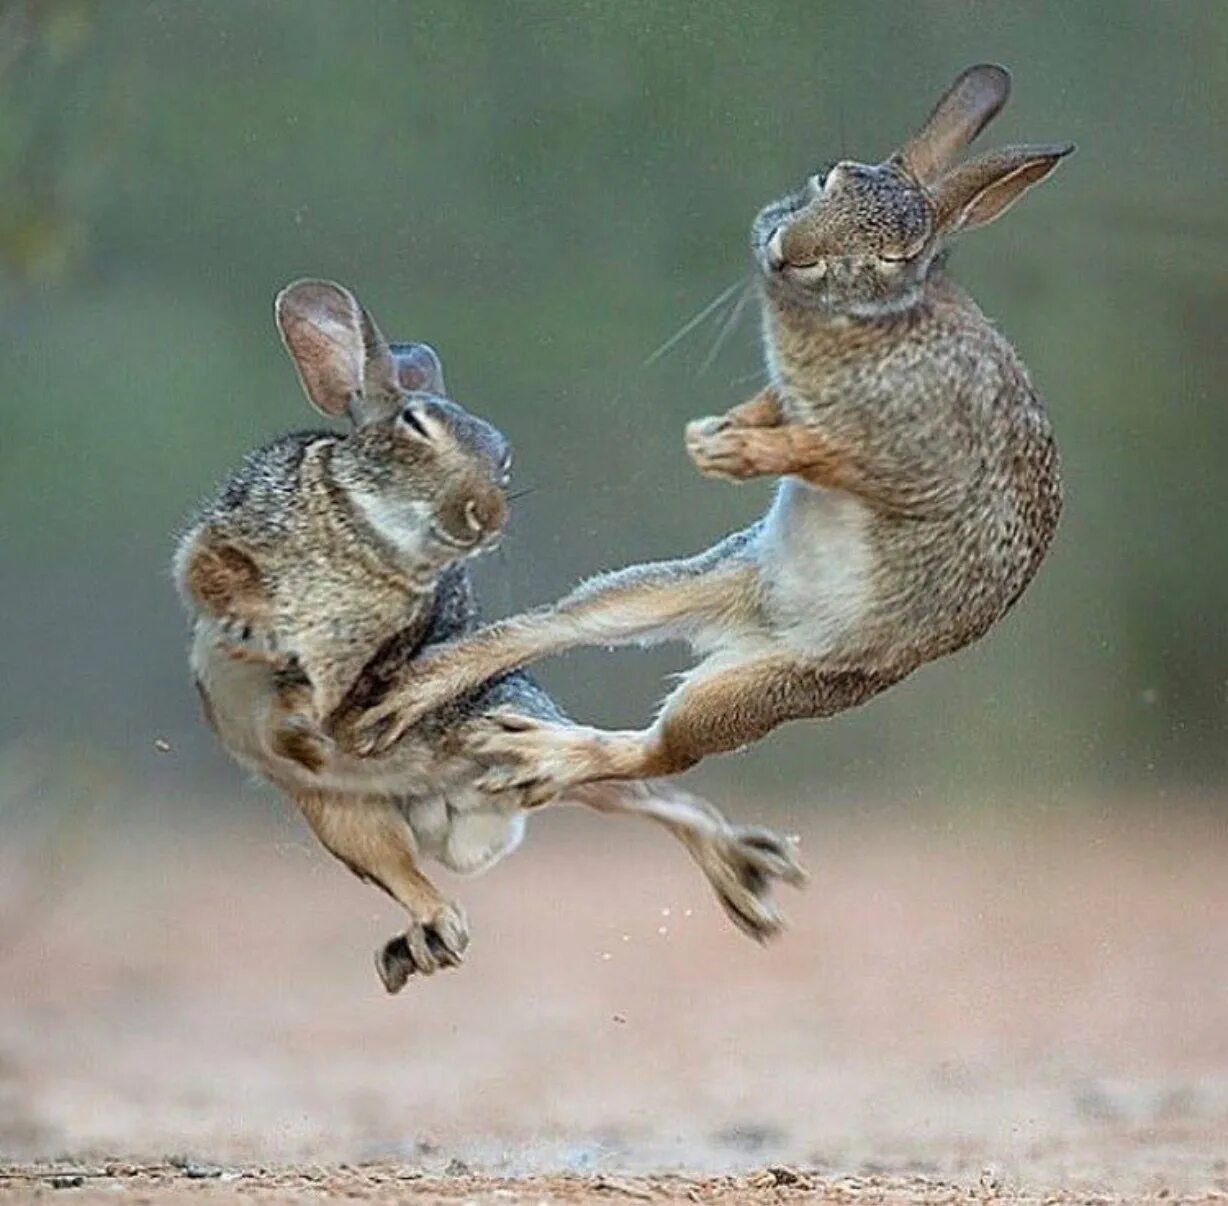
(328, 562)
(933, 411)
(920, 492)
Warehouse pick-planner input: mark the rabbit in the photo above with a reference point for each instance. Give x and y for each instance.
(920, 489)
(328, 560)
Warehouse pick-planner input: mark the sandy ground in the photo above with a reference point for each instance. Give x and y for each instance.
(958, 1013)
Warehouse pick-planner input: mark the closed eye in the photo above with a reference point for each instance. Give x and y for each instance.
(819, 179)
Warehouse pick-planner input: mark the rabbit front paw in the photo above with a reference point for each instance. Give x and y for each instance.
(721, 449)
(426, 946)
(375, 729)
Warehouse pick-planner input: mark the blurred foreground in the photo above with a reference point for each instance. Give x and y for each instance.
(1017, 1009)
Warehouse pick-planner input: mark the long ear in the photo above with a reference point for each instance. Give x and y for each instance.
(984, 188)
(418, 368)
(967, 106)
(341, 358)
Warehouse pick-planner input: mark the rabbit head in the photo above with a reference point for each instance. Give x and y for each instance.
(427, 475)
(859, 239)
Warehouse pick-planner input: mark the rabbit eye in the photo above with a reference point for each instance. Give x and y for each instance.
(411, 420)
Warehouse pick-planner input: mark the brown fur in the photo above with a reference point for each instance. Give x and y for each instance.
(322, 567)
(921, 487)
(371, 837)
(226, 580)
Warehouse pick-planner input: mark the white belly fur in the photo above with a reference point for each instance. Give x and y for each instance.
(464, 829)
(817, 564)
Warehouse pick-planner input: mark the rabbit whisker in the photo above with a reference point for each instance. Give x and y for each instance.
(727, 327)
(759, 376)
(678, 336)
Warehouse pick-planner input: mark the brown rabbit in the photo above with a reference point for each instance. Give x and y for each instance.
(921, 482)
(322, 565)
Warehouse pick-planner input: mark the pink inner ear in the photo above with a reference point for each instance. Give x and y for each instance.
(328, 363)
(997, 198)
(319, 323)
(418, 368)
(984, 188)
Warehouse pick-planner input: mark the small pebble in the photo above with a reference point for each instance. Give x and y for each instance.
(162, 745)
(200, 1172)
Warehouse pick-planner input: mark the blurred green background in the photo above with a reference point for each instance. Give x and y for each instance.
(547, 192)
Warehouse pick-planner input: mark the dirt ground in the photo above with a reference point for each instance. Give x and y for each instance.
(961, 1011)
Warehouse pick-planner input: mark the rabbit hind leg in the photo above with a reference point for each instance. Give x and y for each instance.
(741, 862)
(719, 707)
(371, 836)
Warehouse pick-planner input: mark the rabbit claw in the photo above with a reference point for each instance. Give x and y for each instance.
(368, 733)
(741, 865)
(426, 947)
(378, 735)
(700, 430)
(534, 791)
(522, 754)
(721, 449)
(378, 728)
(511, 721)
(770, 854)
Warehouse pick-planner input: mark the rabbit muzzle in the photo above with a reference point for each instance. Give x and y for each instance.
(470, 516)
(789, 256)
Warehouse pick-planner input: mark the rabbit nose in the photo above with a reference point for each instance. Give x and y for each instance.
(791, 249)
(484, 513)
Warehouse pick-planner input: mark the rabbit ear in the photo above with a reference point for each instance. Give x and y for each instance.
(321, 326)
(342, 360)
(967, 106)
(418, 368)
(984, 188)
